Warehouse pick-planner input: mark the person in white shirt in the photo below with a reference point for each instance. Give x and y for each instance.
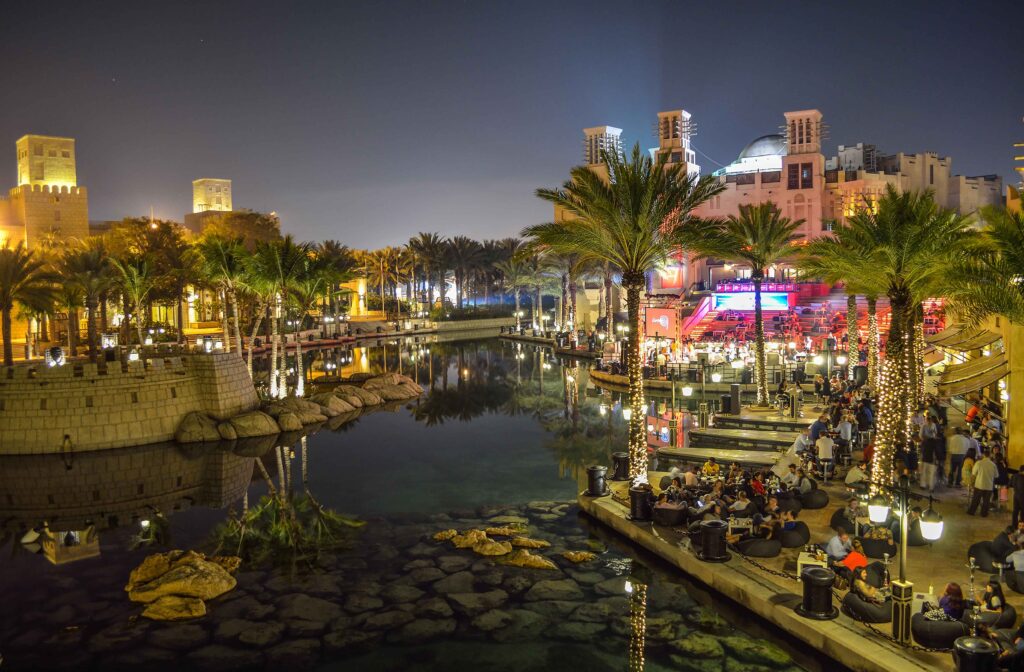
(791, 478)
(741, 502)
(824, 446)
(856, 474)
(984, 474)
(803, 441)
(956, 447)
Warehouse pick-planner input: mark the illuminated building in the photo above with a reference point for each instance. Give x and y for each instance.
(210, 197)
(47, 200)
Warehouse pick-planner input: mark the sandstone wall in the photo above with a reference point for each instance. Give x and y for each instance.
(116, 405)
(473, 325)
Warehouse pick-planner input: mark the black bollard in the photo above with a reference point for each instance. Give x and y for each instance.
(817, 602)
(596, 486)
(640, 509)
(620, 466)
(974, 654)
(712, 541)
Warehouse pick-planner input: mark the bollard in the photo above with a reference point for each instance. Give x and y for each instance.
(620, 466)
(817, 602)
(974, 654)
(712, 541)
(640, 509)
(596, 485)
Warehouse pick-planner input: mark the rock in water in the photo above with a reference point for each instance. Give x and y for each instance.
(505, 531)
(197, 427)
(174, 608)
(289, 422)
(227, 431)
(523, 558)
(254, 423)
(197, 578)
(578, 556)
(445, 535)
(525, 542)
(153, 566)
(469, 539)
(490, 547)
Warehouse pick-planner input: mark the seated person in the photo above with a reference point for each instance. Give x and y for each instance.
(769, 512)
(757, 486)
(857, 474)
(741, 503)
(791, 478)
(1017, 558)
(1017, 535)
(710, 468)
(802, 444)
(817, 427)
(839, 546)
(825, 447)
(951, 605)
(788, 520)
(993, 599)
(690, 478)
(855, 559)
(803, 483)
(863, 588)
(674, 490)
(851, 512)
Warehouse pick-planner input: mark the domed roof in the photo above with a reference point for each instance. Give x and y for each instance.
(766, 145)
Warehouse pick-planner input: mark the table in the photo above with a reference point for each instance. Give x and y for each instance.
(806, 559)
(920, 599)
(740, 524)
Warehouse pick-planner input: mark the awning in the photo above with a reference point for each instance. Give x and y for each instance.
(956, 338)
(973, 375)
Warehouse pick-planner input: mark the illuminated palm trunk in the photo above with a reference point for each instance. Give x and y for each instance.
(563, 306)
(300, 370)
(760, 358)
(637, 626)
(917, 364)
(609, 313)
(233, 297)
(274, 336)
(224, 321)
(873, 343)
(852, 334)
(634, 371)
(572, 305)
(896, 390)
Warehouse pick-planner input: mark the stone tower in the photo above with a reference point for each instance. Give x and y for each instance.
(211, 193)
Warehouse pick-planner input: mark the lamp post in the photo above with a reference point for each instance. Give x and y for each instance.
(931, 529)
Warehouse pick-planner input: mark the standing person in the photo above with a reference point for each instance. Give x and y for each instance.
(824, 446)
(984, 473)
(927, 473)
(1017, 483)
(956, 446)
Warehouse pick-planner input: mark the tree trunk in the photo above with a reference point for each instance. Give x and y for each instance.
(537, 310)
(91, 305)
(259, 314)
(572, 305)
(515, 292)
(852, 334)
(638, 420)
(103, 312)
(300, 369)
(44, 332)
(895, 392)
(181, 316)
(563, 305)
(274, 345)
(610, 313)
(760, 358)
(916, 332)
(73, 332)
(873, 343)
(5, 319)
(233, 297)
(138, 323)
(224, 320)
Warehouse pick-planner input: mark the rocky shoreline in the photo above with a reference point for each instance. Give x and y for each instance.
(292, 414)
(401, 591)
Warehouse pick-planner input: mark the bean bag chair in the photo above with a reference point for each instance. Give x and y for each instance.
(759, 548)
(994, 620)
(814, 499)
(984, 552)
(670, 516)
(791, 503)
(877, 548)
(936, 634)
(839, 520)
(868, 612)
(798, 537)
(1014, 580)
(747, 512)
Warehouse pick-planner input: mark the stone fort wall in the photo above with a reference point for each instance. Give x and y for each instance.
(116, 404)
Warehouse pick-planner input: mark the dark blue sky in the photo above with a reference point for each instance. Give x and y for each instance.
(370, 121)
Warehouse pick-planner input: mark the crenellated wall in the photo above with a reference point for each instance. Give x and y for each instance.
(116, 404)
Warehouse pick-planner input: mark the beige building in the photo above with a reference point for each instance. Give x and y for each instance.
(210, 196)
(47, 200)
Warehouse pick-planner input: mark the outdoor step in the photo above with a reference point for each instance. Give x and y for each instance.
(762, 422)
(753, 458)
(745, 439)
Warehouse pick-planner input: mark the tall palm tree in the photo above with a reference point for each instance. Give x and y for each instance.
(513, 276)
(87, 266)
(991, 280)
(917, 246)
(222, 263)
(136, 283)
(633, 220)
(463, 255)
(430, 251)
(758, 237)
(306, 288)
(24, 281)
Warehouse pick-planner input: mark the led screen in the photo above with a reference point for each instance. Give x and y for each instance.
(745, 301)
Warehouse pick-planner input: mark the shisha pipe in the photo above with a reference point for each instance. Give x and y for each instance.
(971, 565)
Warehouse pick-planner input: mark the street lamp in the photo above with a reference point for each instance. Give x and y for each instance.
(687, 391)
(716, 377)
(931, 529)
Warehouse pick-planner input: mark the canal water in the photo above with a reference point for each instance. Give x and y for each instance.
(501, 437)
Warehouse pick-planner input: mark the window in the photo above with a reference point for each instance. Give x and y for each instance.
(218, 201)
(806, 176)
(65, 154)
(53, 153)
(793, 176)
(771, 176)
(931, 174)
(676, 157)
(39, 150)
(56, 215)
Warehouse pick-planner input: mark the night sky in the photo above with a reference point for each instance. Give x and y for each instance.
(370, 121)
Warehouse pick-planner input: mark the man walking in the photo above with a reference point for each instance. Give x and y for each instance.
(957, 446)
(984, 474)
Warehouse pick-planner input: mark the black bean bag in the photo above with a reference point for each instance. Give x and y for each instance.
(839, 520)
(798, 537)
(1007, 618)
(1014, 580)
(759, 548)
(814, 499)
(868, 612)
(746, 512)
(936, 634)
(985, 552)
(670, 516)
(877, 548)
(791, 503)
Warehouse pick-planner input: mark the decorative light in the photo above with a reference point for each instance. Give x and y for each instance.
(716, 377)
(628, 587)
(931, 524)
(149, 340)
(627, 413)
(841, 360)
(687, 391)
(878, 509)
(819, 360)
(650, 427)
(792, 345)
(603, 409)
(144, 524)
(133, 356)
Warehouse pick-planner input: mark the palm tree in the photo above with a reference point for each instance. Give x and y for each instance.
(759, 237)
(24, 281)
(916, 247)
(463, 254)
(430, 251)
(991, 280)
(87, 266)
(306, 288)
(513, 274)
(222, 262)
(136, 283)
(633, 220)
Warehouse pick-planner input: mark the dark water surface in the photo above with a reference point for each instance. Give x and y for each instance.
(502, 434)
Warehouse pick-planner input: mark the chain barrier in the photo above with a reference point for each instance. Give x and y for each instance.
(839, 599)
